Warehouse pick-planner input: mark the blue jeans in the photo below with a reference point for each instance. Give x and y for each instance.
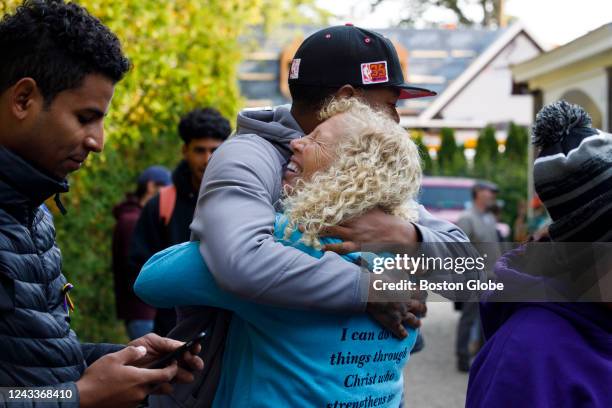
(138, 327)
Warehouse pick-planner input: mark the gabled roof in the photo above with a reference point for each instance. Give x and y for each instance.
(436, 58)
(589, 45)
(474, 69)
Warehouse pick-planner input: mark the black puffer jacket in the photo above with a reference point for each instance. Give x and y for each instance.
(37, 346)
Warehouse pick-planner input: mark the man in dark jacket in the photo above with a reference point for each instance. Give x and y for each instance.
(58, 69)
(138, 316)
(166, 217)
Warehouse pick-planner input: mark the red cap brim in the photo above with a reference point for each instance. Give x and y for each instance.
(412, 92)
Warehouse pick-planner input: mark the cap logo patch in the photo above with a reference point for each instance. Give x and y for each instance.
(374, 72)
(295, 69)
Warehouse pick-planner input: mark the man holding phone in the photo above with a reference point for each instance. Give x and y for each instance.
(58, 69)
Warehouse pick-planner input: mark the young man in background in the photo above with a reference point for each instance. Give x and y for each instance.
(165, 219)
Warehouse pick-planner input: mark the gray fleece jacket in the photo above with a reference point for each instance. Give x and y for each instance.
(234, 221)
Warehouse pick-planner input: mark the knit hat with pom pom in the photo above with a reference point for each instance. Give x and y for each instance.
(573, 173)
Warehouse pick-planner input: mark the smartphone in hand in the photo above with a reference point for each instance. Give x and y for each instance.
(177, 354)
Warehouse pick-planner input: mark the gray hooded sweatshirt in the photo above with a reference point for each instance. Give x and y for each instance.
(235, 215)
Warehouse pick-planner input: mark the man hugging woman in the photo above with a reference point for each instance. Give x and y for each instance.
(356, 160)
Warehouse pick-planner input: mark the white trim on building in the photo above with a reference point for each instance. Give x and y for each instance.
(475, 68)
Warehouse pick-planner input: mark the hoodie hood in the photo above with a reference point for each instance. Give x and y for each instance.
(276, 125)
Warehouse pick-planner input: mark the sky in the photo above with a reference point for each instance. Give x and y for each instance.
(552, 22)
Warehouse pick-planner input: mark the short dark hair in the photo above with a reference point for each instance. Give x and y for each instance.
(311, 97)
(204, 123)
(57, 45)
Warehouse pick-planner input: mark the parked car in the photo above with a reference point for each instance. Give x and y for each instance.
(448, 197)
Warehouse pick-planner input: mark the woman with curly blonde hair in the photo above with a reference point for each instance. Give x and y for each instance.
(375, 164)
(354, 161)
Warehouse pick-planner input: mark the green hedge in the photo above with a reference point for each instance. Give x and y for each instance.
(508, 170)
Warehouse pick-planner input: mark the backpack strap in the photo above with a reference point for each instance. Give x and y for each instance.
(167, 199)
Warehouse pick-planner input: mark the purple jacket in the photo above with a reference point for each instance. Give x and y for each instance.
(542, 354)
(129, 306)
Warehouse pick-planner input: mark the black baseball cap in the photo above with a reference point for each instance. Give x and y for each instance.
(341, 55)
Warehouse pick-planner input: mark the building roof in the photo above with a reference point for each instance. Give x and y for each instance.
(593, 44)
(436, 58)
(484, 59)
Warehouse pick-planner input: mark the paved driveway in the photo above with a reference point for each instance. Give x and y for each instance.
(431, 377)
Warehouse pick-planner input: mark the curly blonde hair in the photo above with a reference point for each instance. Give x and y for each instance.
(376, 165)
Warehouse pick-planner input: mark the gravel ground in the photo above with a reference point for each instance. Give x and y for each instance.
(431, 377)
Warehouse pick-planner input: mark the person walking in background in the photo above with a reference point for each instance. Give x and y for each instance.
(137, 315)
(479, 222)
(480, 225)
(165, 219)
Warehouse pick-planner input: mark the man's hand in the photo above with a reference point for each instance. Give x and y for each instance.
(375, 226)
(393, 315)
(157, 347)
(113, 381)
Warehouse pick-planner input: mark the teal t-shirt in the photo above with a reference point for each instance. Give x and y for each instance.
(276, 357)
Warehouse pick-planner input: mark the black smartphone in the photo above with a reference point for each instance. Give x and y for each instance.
(177, 354)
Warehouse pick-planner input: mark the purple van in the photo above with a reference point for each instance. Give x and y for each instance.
(448, 197)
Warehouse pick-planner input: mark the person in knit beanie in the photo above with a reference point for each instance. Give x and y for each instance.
(543, 353)
(573, 173)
